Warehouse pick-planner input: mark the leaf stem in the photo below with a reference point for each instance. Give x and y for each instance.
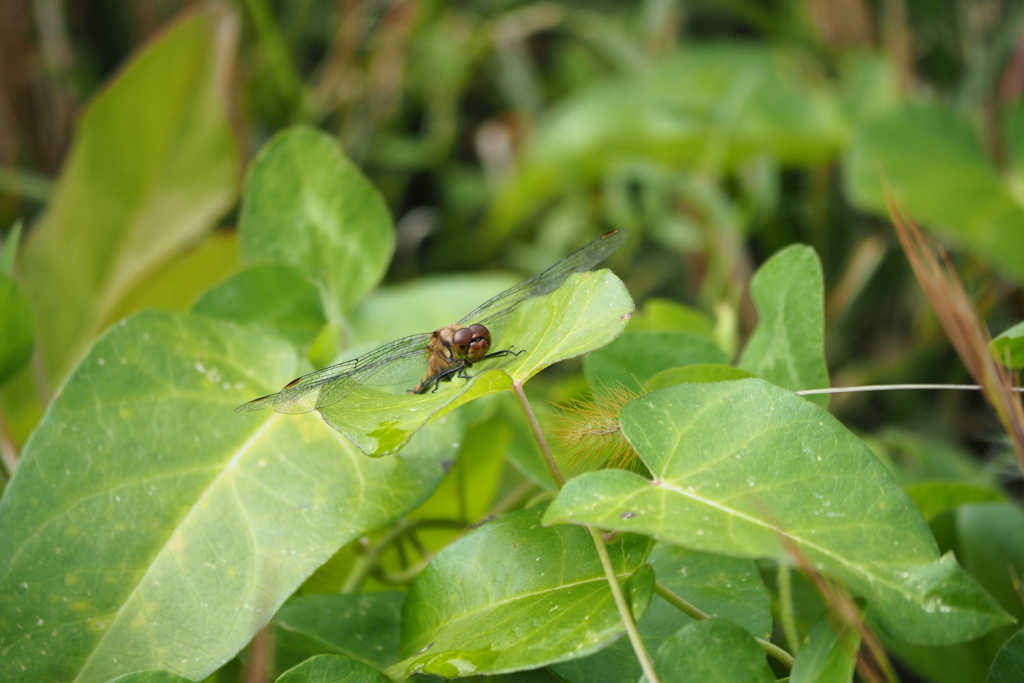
(624, 612)
(691, 610)
(786, 615)
(549, 459)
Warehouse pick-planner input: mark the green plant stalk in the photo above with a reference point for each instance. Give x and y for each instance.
(786, 608)
(624, 611)
(694, 612)
(602, 551)
(538, 435)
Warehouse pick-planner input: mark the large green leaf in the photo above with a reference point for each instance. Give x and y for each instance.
(153, 166)
(788, 346)
(715, 650)
(739, 467)
(514, 595)
(308, 207)
(940, 174)
(148, 526)
(587, 312)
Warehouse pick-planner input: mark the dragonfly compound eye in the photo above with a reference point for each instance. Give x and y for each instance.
(462, 339)
(480, 332)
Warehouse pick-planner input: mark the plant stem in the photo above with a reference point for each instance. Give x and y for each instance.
(691, 610)
(786, 607)
(539, 435)
(623, 606)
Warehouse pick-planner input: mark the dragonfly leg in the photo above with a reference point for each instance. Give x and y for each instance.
(505, 352)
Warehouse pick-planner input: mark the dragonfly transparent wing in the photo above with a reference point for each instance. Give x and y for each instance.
(579, 261)
(396, 362)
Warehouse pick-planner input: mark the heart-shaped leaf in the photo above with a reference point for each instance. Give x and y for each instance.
(526, 596)
(333, 669)
(748, 469)
(148, 526)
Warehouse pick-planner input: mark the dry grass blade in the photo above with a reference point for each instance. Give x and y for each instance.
(969, 336)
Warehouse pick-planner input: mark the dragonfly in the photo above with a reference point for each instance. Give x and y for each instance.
(448, 351)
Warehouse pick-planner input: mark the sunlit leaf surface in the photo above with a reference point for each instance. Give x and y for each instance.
(745, 468)
(154, 164)
(526, 596)
(144, 503)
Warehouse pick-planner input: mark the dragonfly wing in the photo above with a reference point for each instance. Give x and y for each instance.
(580, 261)
(328, 386)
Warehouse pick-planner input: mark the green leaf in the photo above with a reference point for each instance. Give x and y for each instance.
(308, 207)
(149, 526)
(333, 669)
(527, 596)
(709, 651)
(1008, 666)
(935, 497)
(364, 627)
(276, 298)
(696, 374)
(788, 346)
(18, 327)
(587, 312)
(827, 656)
(153, 166)
(940, 174)
(1008, 347)
(636, 357)
(739, 466)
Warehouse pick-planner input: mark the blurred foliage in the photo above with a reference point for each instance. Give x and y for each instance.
(506, 133)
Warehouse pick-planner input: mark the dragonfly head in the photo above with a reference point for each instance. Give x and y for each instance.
(471, 343)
